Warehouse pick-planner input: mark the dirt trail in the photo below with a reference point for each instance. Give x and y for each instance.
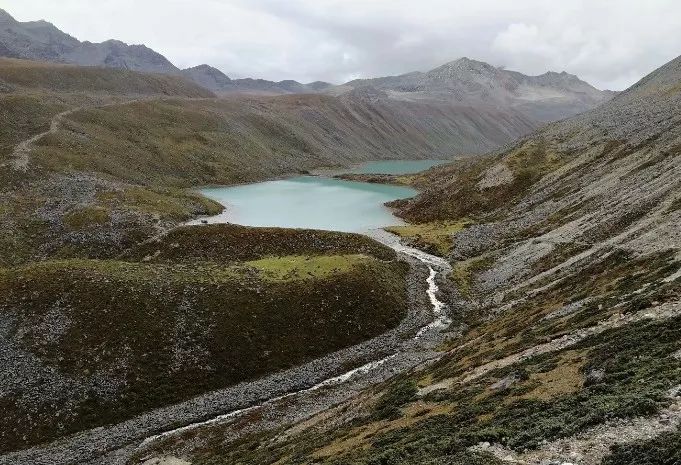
(20, 156)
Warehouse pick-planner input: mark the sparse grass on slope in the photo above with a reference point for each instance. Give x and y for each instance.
(223, 242)
(621, 373)
(188, 143)
(662, 450)
(468, 189)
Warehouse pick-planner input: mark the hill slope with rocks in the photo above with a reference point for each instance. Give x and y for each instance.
(129, 338)
(86, 247)
(128, 146)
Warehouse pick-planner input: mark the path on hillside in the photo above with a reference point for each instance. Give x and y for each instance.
(19, 159)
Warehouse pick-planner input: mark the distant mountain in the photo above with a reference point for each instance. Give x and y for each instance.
(547, 97)
(461, 83)
(208, 77)
(40, 40)
(215, 80)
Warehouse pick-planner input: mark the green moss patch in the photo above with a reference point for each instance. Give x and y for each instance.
(297, 267)
(85, 217)
(436, 237)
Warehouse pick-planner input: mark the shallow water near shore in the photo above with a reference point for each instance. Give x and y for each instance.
(309, 202)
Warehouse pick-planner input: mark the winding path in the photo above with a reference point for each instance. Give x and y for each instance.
(19, 159)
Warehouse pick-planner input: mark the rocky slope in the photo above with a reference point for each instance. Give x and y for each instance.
(565, 295)
(108, 340)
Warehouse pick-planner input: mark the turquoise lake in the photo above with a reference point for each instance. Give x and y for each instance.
(309, 202)
(317, 202)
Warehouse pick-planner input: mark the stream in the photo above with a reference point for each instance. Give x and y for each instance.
(295, 394)
(439, 321)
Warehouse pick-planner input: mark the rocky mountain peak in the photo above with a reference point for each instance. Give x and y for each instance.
(210, 71)
(553, 77)
(664, 79)
(462, 68)
(208, 77)
(6, 17)
(319, 85)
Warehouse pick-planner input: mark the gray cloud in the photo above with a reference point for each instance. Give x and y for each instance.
(609, 43)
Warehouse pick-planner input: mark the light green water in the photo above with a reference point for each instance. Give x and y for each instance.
(309, 202)
(396, 166)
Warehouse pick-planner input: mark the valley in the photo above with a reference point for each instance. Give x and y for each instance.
(466, 265)
(564, 299)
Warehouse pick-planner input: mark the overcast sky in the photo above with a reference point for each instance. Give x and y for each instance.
(611, 44)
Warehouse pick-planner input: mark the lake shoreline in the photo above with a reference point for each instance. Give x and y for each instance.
(317, 200)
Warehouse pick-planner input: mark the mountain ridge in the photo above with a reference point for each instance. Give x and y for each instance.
(463, 81)
(41, 40)
(546, 97)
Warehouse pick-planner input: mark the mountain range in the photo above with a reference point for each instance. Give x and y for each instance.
(41, 40)
(527, 311)
(547, 97)
(463, 82)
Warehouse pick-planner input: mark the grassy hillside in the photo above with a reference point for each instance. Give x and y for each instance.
(181, 142)
(32, 92)
(118, 150)
(100, 324)
(102, 341)
(233, 242)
